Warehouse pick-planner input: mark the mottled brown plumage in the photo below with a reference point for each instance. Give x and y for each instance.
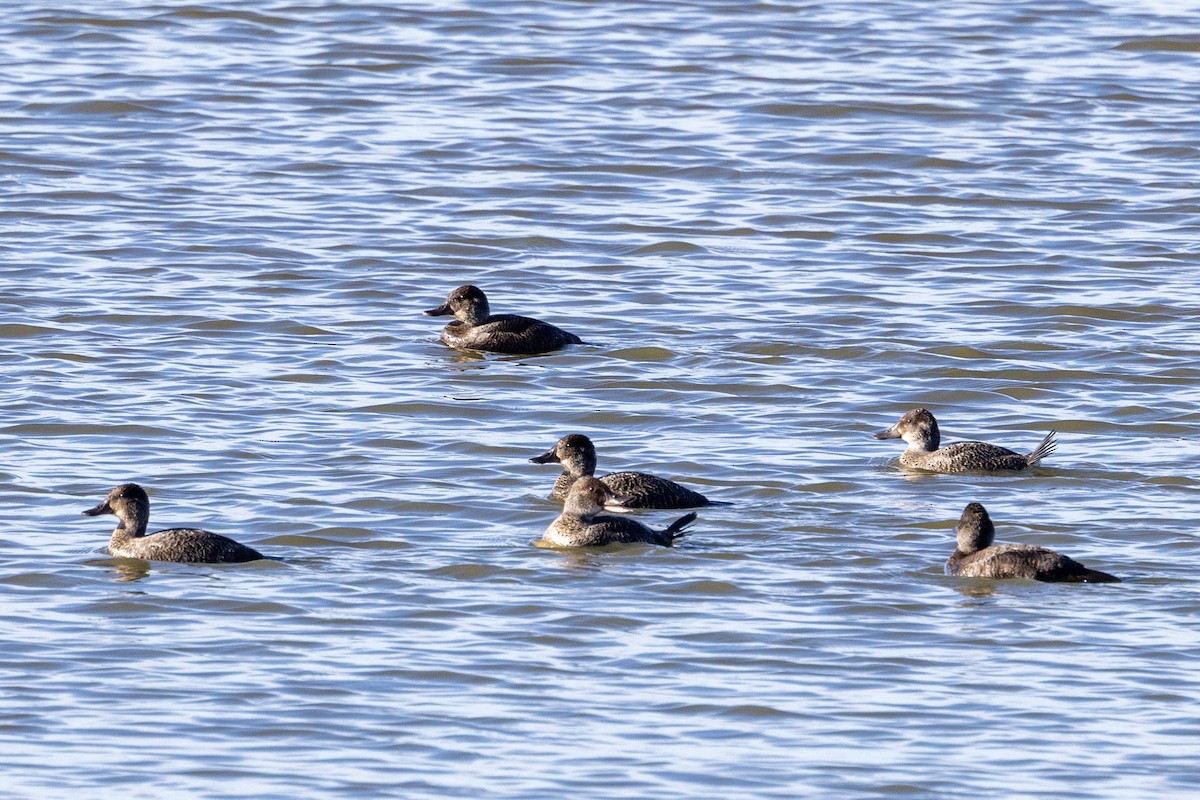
(131, 506)
(581, 523)
(976, 557)
(577, 455)
(476, 328)
(919, 430)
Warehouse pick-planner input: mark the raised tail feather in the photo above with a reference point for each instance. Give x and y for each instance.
(1042, 450)
(675, 529)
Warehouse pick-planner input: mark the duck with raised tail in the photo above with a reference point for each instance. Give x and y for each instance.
(919, 430)
(582, 523)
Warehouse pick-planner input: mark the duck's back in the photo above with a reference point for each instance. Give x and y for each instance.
(642, 490)
(508, 333)
(966, 457)
(1024, 561)
(603, 529)
(184, 545)
(599, 531)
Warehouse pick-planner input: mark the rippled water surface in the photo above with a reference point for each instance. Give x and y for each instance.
(778, 226)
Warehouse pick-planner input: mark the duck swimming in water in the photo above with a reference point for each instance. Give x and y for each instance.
(976, 556)
(131, 506)
(919, 430)
(577, 455)
(581, 523)
(476, 328)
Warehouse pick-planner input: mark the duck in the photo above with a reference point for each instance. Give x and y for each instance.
(582, 523)
(577, 455)
(130, 504)
(976, 557)
(919, 430)
(476, 328)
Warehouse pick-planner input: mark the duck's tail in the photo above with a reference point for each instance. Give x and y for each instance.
(675, 530)
(1096, 576)
(1042, 450)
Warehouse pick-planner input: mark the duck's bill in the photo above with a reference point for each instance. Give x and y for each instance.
(888, 434)
(618, 505)
(103, 508)
(440, 311)
(545, 458)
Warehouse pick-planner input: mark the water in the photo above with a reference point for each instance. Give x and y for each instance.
(780, 226)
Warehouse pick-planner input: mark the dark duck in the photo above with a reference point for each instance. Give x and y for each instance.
(577, 455)
(131, 506)
(475, 327)
(976, 556)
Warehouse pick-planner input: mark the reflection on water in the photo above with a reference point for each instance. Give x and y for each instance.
(976, 587)
(129, 569)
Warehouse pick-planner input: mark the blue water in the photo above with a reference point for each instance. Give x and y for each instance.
(778, 226)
